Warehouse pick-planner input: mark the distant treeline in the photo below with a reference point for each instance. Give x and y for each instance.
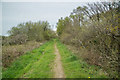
(94, 27)
(38, 31)
(23, 38)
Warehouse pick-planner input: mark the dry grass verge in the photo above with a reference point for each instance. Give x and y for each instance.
(11, 52)
(94, 58)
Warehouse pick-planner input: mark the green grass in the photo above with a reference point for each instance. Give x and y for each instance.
(34, 64)
(38, 63)
(77, 68)
(0, 71)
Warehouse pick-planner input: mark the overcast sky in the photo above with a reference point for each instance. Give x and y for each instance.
(18, 12)
(21, 11)
(52, 0)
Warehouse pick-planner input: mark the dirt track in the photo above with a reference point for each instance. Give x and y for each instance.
(58, 69)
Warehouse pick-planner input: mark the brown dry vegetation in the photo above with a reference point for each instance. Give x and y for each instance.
(94, 30)
(11, 52)
(89, 56)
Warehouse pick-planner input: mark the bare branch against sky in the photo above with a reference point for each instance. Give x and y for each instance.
(57, 0)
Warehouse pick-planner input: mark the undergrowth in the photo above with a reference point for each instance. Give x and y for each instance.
(77, 68)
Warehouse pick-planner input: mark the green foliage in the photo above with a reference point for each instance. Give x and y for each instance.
(39, 31)
(60, 26)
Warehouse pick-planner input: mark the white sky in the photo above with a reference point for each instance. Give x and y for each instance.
(50, 0)
(13, 12)
(0, 18)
